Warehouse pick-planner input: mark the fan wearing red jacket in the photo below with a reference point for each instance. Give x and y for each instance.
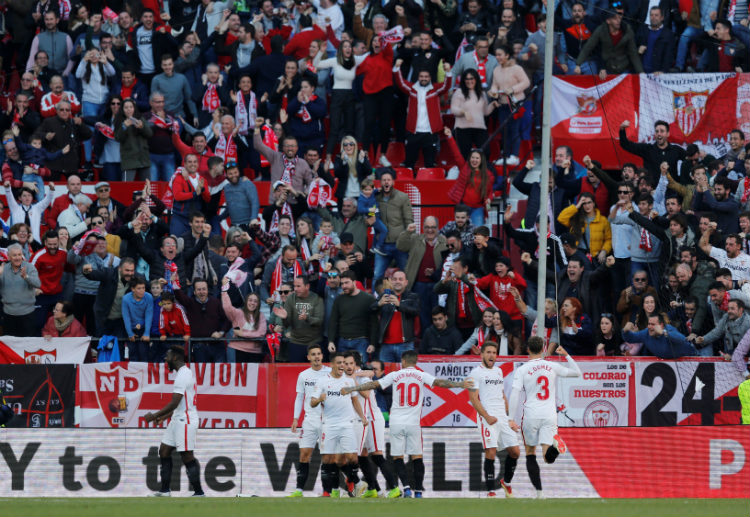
(173, 322)
(189, 190)
(57, 93)
(50, 263)
(499, 284)
(423, 119)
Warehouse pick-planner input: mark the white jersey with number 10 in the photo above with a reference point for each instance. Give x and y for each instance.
(408, 394)
(538, 378)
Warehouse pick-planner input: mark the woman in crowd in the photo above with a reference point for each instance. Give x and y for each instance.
(20, 233)
(106, 147)
(133, 133)
(631, 298)
(377, 86)
(248, 323)
(286, 87)
(575, 328)
(62, 323)
(306, 113)
(469, 104)
(607, 336)
(26, 209)
(350, 168)
(588, 226)
(481, 334)
(474, 185)
(649, 307)
(303, 241)
(309, 66)
(344, 67)
(93, 71)
(509, 82)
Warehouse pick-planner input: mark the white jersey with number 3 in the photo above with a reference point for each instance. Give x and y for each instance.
(408, 394)
(538, 378)
(184, 384)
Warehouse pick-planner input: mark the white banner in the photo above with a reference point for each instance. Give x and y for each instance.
(120, 394)
(36, 350)
(125, 462)
(599, 398)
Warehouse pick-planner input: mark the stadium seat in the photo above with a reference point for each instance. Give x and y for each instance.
(404, 173)
(431, 173)
(396, 153)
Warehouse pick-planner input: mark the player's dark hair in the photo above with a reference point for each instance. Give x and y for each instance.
(350, 275)
(535, 344)
(354, 355)
(179, 351)
(718, 286)
(482, 230)
(336, 354)
(438, 310)
(461, 208)
(312, 347)
(409, 357)
(488, 344)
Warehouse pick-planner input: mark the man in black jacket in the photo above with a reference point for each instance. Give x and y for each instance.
(59, 131)
(654, 154)
(114, 283)
(148, 45)
(440, 339)
(397, 310)
(484, 253)
(656, 43)
(145, 227)
(207, 320)
(586, 286)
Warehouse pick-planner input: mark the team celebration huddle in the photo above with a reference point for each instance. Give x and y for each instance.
(342, 418)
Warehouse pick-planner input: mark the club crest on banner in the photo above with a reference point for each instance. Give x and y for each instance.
(40, 356)
(688, 108)
(600, 414)
(586, 104)
(118, 392)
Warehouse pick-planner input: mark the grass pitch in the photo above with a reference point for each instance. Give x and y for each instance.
(314, 507)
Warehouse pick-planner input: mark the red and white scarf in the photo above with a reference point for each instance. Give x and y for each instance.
(310, 65)
(64, 9)
(319, 193)
(210, 98)
(725, 302)
(393, 35)
(270, 139)
(167, 122)
(276, 276)
(245, 120)
(235, 274)
(84, 247)
(304, 248)
(481, 68)
(746, 191)
(285, 210)
(480, 298)
(645, 243)
(106, 130)
(289, 168)
(226, 148)
(303, 113)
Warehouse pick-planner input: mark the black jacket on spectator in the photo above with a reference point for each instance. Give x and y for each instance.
(67, 132)
(734, 47)
(663, 55)
(482, 262)
(451, 289)
(589, 288)
(443, 342)
(409, 311)
(653, 155)
(156, 260)
(105, 296)
(265, 70)
(26, 125)
(152, 240)
(560, 199)
(161, 43)
(205, 318)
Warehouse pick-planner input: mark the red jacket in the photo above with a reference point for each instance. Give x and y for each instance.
(601, 194)
(457, 191)
(75, 329)
(299, 45)
(50, 100)
(174, 322)
(185, 149)
(499, 288)
(377, 70)
(50, 268)
(432, 101)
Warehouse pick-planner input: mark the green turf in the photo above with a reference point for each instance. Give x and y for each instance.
(314, 507)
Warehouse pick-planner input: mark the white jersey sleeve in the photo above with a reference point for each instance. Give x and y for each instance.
(408, 394)
(184, 384)
(563, 371)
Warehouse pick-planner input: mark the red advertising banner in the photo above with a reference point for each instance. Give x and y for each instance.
(700, 108)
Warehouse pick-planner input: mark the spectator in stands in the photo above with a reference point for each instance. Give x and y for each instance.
(656, 43)
(18, 282)
(21, 115)
(575, 328)
(132, 88)
(470, 105)
(509, 82)
(137, 315)
(589, 226)
(462, 224)
(60, 131)
(723, 51)
(147, 44)
(351, 325)
(134, 135)
(607, 336)
(424, 263)
(350, 168)
(56, 44)
(645, 248)
(617, 49)
(20, 233)
(190, 192)
(396, 213)
(241, 196)
(439, 338)
(62, 322)
(733, 326)
(586, 286)
(576, 31)
(660, 339)
(654, 154)
(484, 253)
(397, 311)
(57, 93)
(377, 85)
(160, 147)
(286, 166)
(13, 166)
(731, 257)
(462, 306)
(27, 212)
(559, 197)
(302, 317)
(484, 332)
(306, 113)
(94, 72)
(474, 185)
(75, 218)
(721, 203)
(631, 298)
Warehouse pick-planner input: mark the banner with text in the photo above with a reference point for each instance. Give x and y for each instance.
(36, 350)
(700, 108)
(41, 395)
(119, 394)
(249, 462)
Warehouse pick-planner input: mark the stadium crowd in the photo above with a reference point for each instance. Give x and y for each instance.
(213, 97)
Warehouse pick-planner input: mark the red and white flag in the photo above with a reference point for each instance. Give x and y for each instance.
(37, 350)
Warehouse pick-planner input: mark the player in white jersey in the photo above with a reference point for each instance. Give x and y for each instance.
(374, 441)
(183, 426)
(539, 422)
(406, 413)
(340, 410)
(312, 426)
(488, 398)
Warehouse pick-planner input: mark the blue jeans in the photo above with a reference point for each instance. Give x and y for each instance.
(37, 180)
(427, 300)
(357, 344)
(89, 109)
(209, 352)
(111, 172)
(382, 262)
(179, 224)
(162, 166)
(381, 231)
(477, 216)
(688, 35)
(706, 351)
(512, 143)
(587, 67)
(392, 353)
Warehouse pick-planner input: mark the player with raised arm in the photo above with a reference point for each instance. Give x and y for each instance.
(312, 426)
(488, 398)
(183, 426)
(406, 412)
(340, 409)
(374, 435)
(538, 379)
